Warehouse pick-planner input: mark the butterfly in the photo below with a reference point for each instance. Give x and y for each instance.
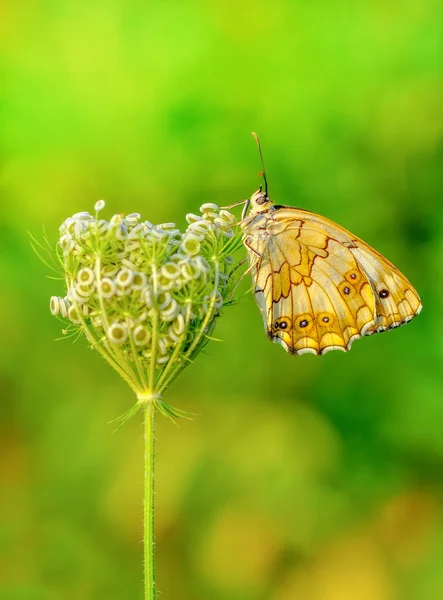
(319, 287)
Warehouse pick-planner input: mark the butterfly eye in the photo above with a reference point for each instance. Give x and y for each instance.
(262, 199)
(383, 294)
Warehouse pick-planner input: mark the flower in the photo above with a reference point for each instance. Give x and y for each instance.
(106, 287)
(141, 335)
(170, 270)
(100, 205)
(85, 276)
(147, 296)
(124, 277)
(190, 245)
(118, 333)
(54, 306)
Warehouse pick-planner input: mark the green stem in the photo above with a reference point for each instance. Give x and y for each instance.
(173, 363)
(106, 355)
(187, 356)
(118, 354)
(148, 512)
(154, 339)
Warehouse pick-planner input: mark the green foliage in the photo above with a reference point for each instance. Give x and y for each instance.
(299, 471)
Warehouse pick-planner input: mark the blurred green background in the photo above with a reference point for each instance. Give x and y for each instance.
(302, 477)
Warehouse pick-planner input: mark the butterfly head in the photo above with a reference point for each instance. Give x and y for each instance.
(257, 203)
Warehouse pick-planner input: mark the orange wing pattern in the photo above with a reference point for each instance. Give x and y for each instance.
(318, 287)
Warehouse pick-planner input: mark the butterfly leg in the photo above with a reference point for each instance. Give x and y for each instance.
(243, 275)
(251, 248)
(240, 264)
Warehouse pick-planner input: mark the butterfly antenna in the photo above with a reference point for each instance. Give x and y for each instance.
(263, 173)
(234, 205)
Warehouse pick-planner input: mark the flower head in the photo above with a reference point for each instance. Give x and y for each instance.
(146, 296)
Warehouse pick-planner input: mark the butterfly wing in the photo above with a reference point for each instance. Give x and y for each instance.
(318, 287)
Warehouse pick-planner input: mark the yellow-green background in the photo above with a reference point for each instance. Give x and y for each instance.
(302, 477)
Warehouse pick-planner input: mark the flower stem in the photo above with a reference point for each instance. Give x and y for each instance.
(148, 513)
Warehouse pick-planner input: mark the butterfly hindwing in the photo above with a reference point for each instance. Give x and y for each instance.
(396, 300)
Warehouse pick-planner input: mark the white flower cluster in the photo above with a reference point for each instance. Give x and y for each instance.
(146, 293)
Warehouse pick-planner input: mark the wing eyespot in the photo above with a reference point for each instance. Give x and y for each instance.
(354, 277)
(347, 290)
(282, 324)
(304, 323)
(325, 319)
